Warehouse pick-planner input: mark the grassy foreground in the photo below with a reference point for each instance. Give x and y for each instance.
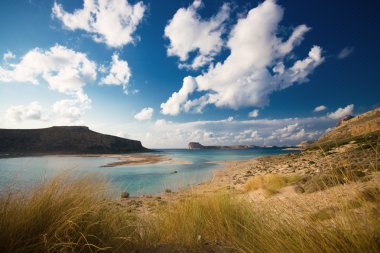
(69, 214)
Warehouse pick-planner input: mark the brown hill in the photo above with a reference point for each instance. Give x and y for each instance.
(64, 140)
(364, 129)
(354, 126)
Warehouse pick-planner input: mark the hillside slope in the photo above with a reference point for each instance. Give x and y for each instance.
(64, 140)
(360, 125)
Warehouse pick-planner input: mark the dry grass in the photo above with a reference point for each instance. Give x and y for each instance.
(225, 223)
(63, 215)
(271, 183)
(78, 215)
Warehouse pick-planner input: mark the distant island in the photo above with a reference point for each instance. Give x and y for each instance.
(197, 145)
(64, 140)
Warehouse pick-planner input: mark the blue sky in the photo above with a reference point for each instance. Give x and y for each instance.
(171, 72)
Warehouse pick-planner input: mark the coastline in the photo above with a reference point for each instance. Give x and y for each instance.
(232, 176)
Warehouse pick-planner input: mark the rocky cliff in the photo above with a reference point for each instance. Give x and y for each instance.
(64, 140)
(350, 127)
(197, 145)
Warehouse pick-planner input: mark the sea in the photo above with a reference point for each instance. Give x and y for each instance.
(137, 179)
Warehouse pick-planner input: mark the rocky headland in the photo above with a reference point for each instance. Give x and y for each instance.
(63, 140)
(197, 145)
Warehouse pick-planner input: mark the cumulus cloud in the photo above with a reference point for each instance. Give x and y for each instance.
(345, 52)
(119, 73)
(172, 106)
(145, 114)
(258, 64)
(320, 108)
(293, 133)
(254, 113)
(8, 55)
(112, 22)
(20, 113)
(229, 131)
(70, 111)
(342, 112)
(188, 32)
(64, 70)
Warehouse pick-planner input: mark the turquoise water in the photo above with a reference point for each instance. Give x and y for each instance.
(138, 180)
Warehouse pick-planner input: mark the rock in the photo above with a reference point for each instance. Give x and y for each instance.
(299, 189)
(124, 195)
(167, 190)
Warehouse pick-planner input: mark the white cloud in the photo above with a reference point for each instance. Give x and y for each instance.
(70, 111)
(8, 55)
(244, 78)
(64, 70)
(345, 52)
(20, 113)
(293, 133)
(172, 106)
(112, 22)
(145, 114)
(320, 108)
(188, 32)
(254, 113)
(342, 112)
(119, 73)
(229, 131)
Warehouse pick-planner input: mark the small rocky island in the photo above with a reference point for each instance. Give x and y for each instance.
(197, 145)
(64, 140)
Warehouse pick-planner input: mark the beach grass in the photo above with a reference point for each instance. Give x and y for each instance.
(76, 214)
(64, 214)
(271, 183)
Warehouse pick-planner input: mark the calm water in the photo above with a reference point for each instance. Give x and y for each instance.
(141, 179)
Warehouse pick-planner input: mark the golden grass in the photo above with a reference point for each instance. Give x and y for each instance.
(78, 215)
(271, 183)
(225, 223)
(63, 215)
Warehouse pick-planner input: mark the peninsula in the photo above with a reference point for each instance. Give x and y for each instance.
(63, 140)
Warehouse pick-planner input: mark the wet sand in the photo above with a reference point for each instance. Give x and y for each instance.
(133, 159)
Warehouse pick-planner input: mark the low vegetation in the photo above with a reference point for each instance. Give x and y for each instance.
(79, 215)
(271, 183)
(365, 141)
(64, 214)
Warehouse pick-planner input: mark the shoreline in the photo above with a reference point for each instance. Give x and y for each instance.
(129, 159)
(232, 175)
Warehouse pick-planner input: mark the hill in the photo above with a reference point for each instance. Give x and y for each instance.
(363, 128)
(354, 126)
(64, 140)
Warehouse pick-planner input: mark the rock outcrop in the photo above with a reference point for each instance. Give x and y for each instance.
(197, 145)
(64, 140)
(350, 127)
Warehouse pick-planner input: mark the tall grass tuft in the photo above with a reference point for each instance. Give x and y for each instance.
(65, 214)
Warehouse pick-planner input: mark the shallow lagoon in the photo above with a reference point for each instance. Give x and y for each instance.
(136, 179)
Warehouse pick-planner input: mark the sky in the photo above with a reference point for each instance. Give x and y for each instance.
(171, 72)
